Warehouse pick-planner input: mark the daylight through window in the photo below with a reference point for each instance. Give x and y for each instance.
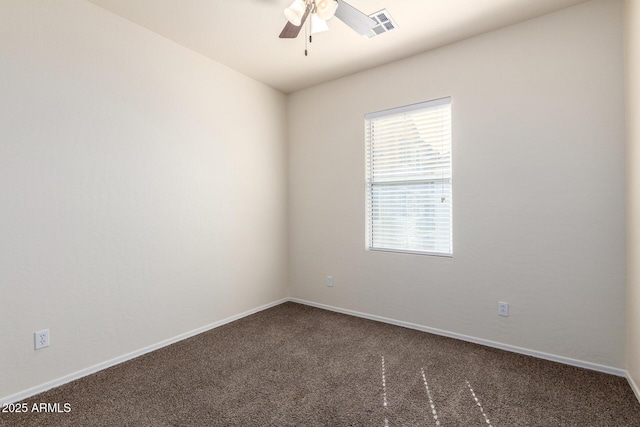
(409, 188)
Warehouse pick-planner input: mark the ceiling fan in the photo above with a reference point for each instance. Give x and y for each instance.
(321, 11)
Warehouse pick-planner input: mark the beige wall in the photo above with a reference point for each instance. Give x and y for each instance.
(137, 204)
(539, 189)
(632, 62)
(131, 209)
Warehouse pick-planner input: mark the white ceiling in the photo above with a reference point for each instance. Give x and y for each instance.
(243, 34)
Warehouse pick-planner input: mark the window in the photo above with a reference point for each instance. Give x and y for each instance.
(408, 155)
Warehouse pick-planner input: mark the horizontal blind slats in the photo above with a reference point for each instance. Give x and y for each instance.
(409, 174)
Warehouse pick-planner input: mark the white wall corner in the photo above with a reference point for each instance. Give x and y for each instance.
(633, 385)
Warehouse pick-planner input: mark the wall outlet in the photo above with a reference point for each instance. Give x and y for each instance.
(503, 309)
(41, 339)
(329, 281)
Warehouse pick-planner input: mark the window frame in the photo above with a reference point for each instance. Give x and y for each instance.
(428, 183)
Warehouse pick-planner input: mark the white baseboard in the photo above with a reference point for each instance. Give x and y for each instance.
(109, 363)
(634, 386)
(501, 346)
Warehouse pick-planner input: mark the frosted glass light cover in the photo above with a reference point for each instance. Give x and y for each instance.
(326, 8)
(318, 25)
(295, 12)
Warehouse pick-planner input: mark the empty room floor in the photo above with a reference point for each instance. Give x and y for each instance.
(294, 365)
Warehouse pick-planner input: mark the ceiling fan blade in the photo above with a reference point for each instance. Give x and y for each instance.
(291, 31)
(355, 19)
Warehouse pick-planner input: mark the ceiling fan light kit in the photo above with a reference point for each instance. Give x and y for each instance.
(318, 25)
(322, 10)
(295, 12)
(325, 9)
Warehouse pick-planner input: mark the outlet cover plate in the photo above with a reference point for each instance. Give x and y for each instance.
(503, 309)
(41, 339)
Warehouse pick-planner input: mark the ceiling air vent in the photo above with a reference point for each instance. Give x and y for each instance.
(384, 23)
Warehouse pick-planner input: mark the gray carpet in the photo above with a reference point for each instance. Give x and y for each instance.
(294, 365)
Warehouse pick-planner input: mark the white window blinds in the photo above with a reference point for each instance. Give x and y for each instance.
(408, 156)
